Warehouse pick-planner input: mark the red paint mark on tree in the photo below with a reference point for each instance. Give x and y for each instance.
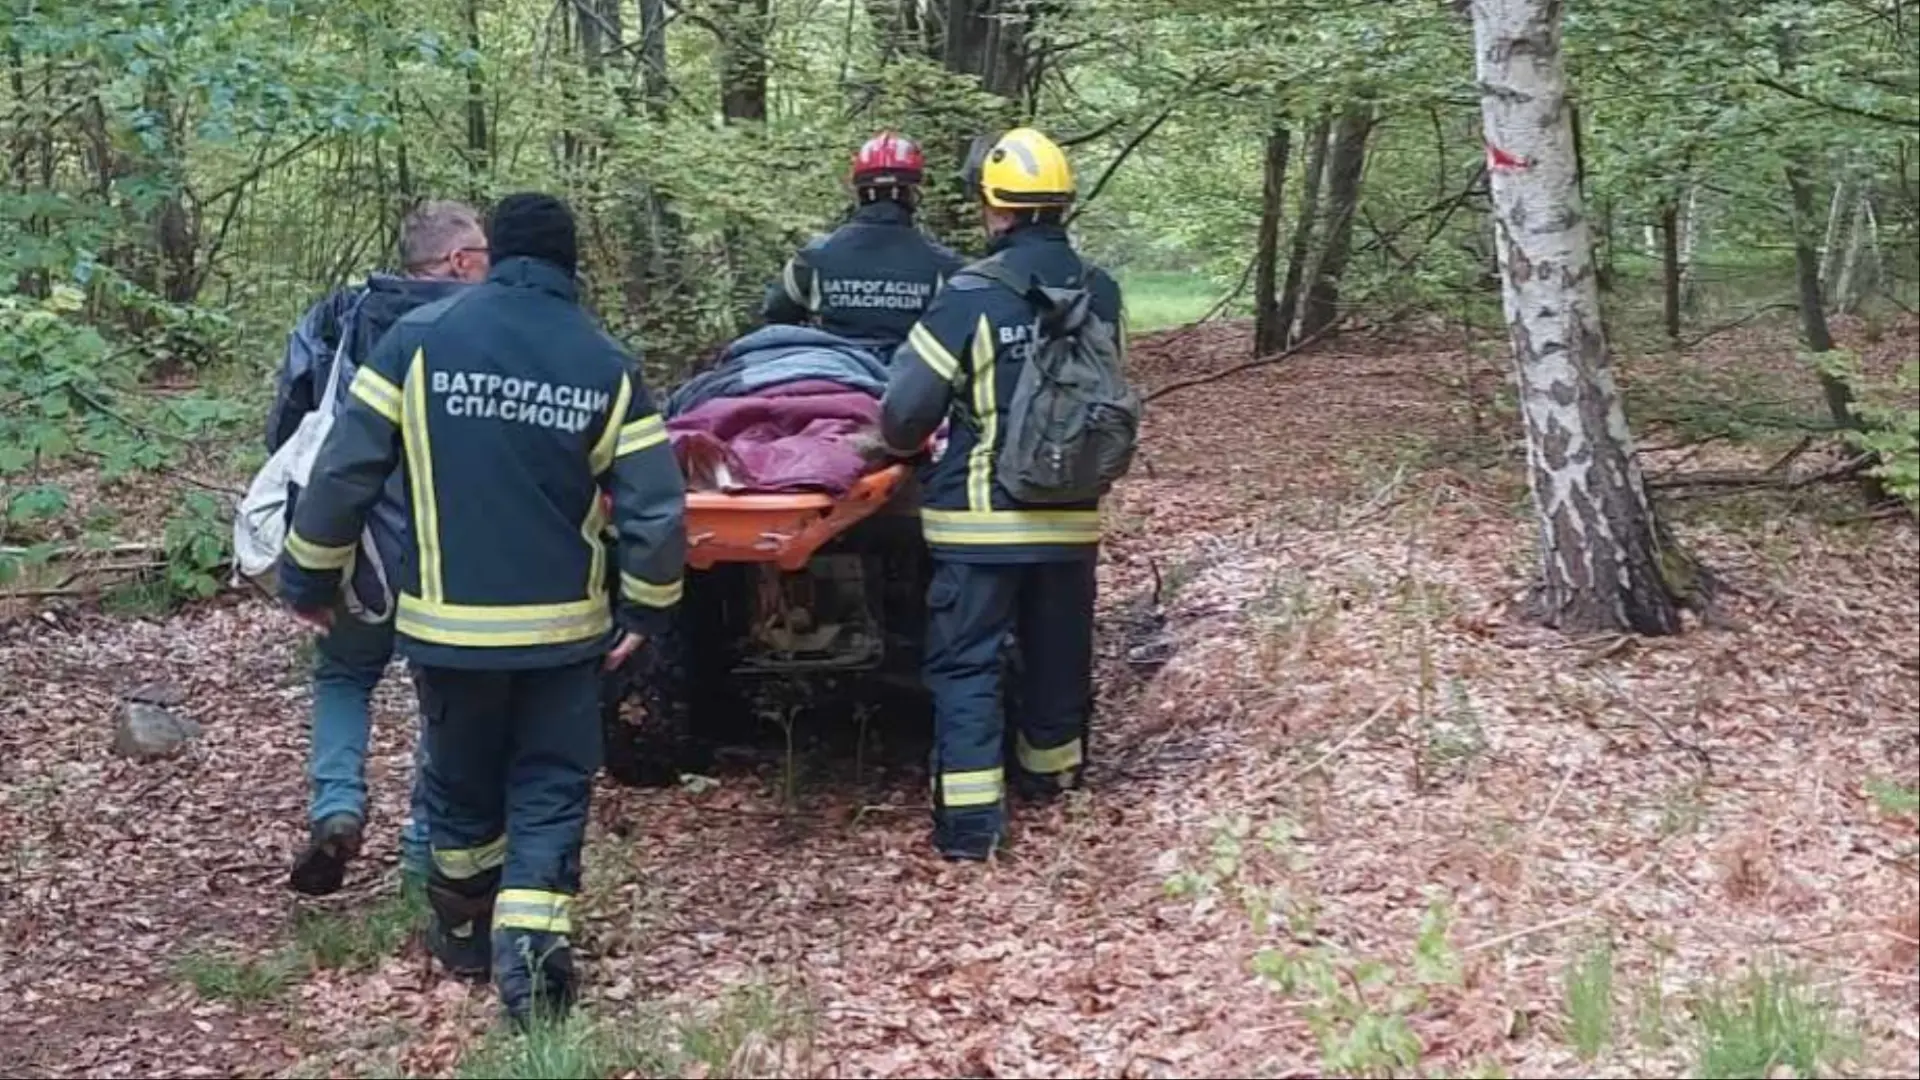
(1500, 160)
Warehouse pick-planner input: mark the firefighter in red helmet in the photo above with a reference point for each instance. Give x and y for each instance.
(870, 279)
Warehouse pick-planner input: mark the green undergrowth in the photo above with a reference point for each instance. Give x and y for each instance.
(1768, 1025)
(229, 975)
(361, 937)
(756, 1030)
(1161, 299)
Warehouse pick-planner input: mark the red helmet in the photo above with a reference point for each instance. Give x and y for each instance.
(888, 160)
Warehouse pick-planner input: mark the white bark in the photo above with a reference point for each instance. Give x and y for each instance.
(1600, 561)
(1833, 229)
(1844, 297)
(1689, 231)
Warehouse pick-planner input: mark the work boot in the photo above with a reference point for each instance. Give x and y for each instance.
(459, 934)
(533, 970)
(1036, 787)
(969, 836)
(322, 867)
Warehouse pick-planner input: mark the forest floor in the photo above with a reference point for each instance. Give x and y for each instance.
(1349, 812)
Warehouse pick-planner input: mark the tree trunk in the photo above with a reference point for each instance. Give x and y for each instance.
(477, 145)
(1813, 307)
(1834, 206)
(1348, 162)
(653, 58)
(1302, 244)
(1604, 564)
(1846, 298)
(743, 60)
(1269, 334)
(988, 38)
(1689, 236)
(1670, 259)
(652, 224)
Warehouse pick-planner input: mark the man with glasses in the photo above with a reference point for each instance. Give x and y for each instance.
(443, 248)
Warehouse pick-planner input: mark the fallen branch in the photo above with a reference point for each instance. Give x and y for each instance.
(1565, 920)
(1737, 323)
(1769, 480)
(1258, 361)
(1272, 358)
(1360, 729)
(80, 552)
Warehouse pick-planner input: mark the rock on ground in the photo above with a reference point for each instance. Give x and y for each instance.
(149, 731)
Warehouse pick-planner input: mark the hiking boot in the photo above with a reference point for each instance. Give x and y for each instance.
(322, 868)
(533, 971)
(1043, 788)
(968, 837)
(459, 934)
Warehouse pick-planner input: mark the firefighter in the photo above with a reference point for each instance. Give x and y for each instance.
(442, 249)
(512, 410)
(871, 278)
(1000, 569)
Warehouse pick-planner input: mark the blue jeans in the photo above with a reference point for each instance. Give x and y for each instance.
(351, 659)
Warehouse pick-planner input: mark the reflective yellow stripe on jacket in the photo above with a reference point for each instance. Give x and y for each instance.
(647, 594)
(1001, 528)
(503, 626)
(311, 556)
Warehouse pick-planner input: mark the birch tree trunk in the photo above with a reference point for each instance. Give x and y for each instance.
(1604, 564)
(1689, 233)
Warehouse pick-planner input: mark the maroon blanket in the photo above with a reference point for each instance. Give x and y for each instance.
(802, 436)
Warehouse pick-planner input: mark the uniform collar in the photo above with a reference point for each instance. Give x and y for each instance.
(883, 212)
(525, 271)
(1027, 235)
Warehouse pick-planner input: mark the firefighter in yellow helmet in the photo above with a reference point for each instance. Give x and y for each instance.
(1011, 558)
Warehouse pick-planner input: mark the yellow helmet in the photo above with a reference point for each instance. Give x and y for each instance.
(1025, 170)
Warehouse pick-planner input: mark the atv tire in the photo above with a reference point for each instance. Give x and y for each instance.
(653, 749)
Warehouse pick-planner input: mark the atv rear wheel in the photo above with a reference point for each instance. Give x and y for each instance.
(653, 748)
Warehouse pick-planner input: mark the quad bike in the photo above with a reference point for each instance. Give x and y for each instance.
(792, 601)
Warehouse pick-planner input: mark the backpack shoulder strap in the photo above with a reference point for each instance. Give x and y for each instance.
(349, 325)
(996, 271)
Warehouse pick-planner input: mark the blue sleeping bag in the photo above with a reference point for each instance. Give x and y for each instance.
(773, 355)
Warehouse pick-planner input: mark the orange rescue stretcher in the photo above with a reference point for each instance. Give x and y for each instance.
(784, 530)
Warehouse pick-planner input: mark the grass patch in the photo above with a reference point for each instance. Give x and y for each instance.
(1158, 299)
(579, 1047)
(1894, 799)
(1589, 991)
(220, 975)
(742, 1037)
(751, 1025)
(145, 598)
(360, 939)
(1768, 1022)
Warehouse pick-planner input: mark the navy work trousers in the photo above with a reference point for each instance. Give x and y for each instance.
(972, 609)
(512, 754)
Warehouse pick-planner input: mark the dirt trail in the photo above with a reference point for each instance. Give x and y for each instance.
(1350, 727)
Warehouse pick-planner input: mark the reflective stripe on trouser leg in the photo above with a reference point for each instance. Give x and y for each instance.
(464, 719)
(556, 751)
(1056, 643)
(969, 789)
(970, 610)
(533, 909)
